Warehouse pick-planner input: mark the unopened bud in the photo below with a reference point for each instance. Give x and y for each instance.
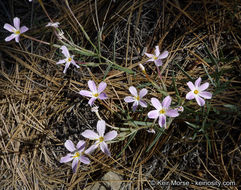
(95, 109)
(142, 68)
(179, 109)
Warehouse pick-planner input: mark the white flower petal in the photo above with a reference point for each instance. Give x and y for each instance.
(163, 55)
(158, 62)
(149, 55)
(91, 101)
(85, 93)
(23, 29)
(17, 38)
(69, 145)
(92, 86)
(65, 51)
(10, 37)
(203, 86)
(200, 101)
(198, 82)
(61, 61)
(104, 148)
(143, 92)
(16, 23)
(157, 51)
(206, 95)
(101, 87)
(90, 135)
(129, 99)
(190, 95)
(133, 91)
(166, 102)
(75, 164)
(9, 27)
(172, 113)
(66, 158)
(101, 127)
(191, 85)
(81, 145)
(156, 103)
(162, 121)
(110, 135)
(143, 103)
(153, 114)
(66, 67)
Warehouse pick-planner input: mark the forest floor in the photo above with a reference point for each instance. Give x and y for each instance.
(41, 108)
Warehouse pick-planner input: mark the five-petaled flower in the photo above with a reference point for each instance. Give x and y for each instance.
(16, 30)
(197, 91)
(94, 93)
(157, 57)
(68, 59)
(137, 98)
(77, 154)
(100, 138)
(162, 110)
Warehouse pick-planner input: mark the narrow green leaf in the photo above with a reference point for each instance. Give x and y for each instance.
(128, 142)
(184, 72)
(159, 133)
(192, 125)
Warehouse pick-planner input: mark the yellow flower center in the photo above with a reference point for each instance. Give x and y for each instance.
(101, 139)
(95, 95)
(137, 98)
(69, 59)
(195, 92)
(76, 155)
(162, 111)
(155, 57)
(17, 32)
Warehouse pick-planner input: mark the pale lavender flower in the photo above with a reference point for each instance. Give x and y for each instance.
(53, 24)
(16, 30)
(136, 98)
(157, 57)
(77, 154)
(100, 138)
(94, 92)
(162, 110)
(197, 91)
(68, 59)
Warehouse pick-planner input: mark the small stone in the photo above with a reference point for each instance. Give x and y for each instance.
(96, 186)
(112, 180)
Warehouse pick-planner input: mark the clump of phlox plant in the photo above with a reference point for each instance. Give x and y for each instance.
(163, 110)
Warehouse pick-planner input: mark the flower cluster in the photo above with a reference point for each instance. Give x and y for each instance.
(78, 153)
(162, 109)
